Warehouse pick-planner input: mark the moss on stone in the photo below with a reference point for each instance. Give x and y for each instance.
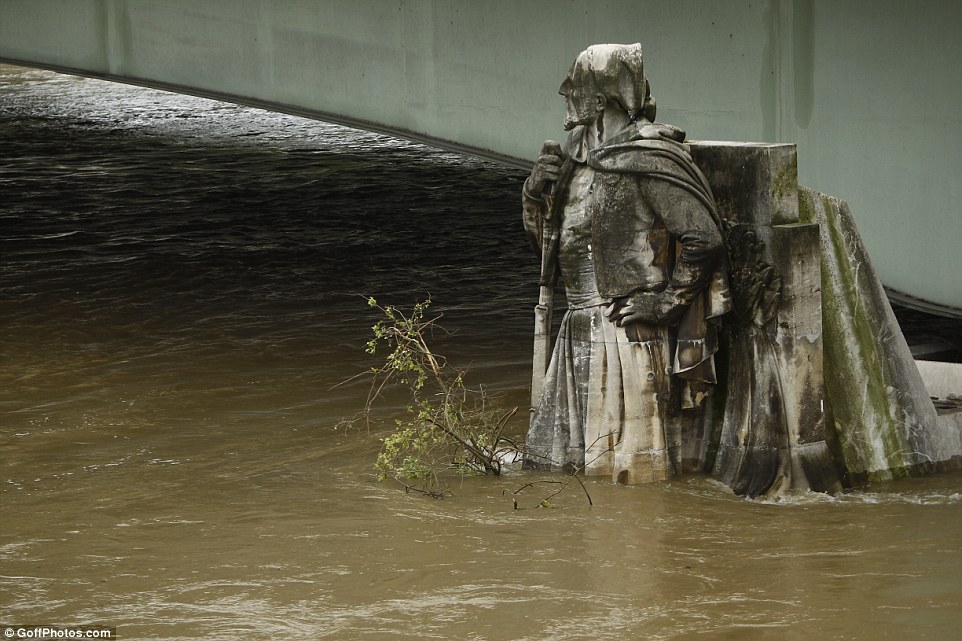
(806, 212)
(855, 374)
(784, 186)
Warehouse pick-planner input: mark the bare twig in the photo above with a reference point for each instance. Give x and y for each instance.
(574, 474)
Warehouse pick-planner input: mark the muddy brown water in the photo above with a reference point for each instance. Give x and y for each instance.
(180, 291)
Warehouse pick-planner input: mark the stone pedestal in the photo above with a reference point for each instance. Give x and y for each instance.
(769, 422)
(882, 421)
(816, 383)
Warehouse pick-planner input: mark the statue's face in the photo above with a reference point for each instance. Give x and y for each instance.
(580, 94)
(581, 108)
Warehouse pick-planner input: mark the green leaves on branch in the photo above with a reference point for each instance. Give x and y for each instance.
(448, 426)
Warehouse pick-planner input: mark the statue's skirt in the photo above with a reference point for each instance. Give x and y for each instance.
(604, 400)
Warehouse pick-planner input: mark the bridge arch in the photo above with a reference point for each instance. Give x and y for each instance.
(865, 89)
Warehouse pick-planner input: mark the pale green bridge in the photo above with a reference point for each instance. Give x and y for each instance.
(869, 90)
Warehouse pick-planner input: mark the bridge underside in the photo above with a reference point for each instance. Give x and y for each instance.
(865, 89)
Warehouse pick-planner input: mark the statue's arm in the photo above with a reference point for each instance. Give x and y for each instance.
(545, 172)
(701, 247)
(534, 211)
(690, 223)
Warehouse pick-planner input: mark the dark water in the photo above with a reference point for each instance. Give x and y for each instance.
(181, 289)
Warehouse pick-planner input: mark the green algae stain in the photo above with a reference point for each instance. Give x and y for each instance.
(854, 373)
(784, 187)
(806, 211)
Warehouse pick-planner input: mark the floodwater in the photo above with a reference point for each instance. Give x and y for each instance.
(181, 288)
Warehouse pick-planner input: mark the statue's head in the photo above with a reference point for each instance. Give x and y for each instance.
(603, 77)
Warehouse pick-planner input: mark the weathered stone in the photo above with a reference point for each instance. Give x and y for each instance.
(770, 428)
(798, 336)
(626, 218)
(753, 183)
(881, 422)
(941, 380)
(815, 384)
(798, 332)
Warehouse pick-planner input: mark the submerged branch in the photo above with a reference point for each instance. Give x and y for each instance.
(448, 423)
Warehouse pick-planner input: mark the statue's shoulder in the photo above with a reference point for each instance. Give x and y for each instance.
(640, 148)
(659, 131)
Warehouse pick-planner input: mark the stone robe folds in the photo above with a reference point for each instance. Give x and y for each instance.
(637, 218)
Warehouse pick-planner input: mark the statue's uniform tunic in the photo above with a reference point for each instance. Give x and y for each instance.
(605, 394)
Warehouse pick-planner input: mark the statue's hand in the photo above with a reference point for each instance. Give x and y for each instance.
(651, 308)
(546, 169)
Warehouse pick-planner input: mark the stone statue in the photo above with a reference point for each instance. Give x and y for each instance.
(629, 222)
